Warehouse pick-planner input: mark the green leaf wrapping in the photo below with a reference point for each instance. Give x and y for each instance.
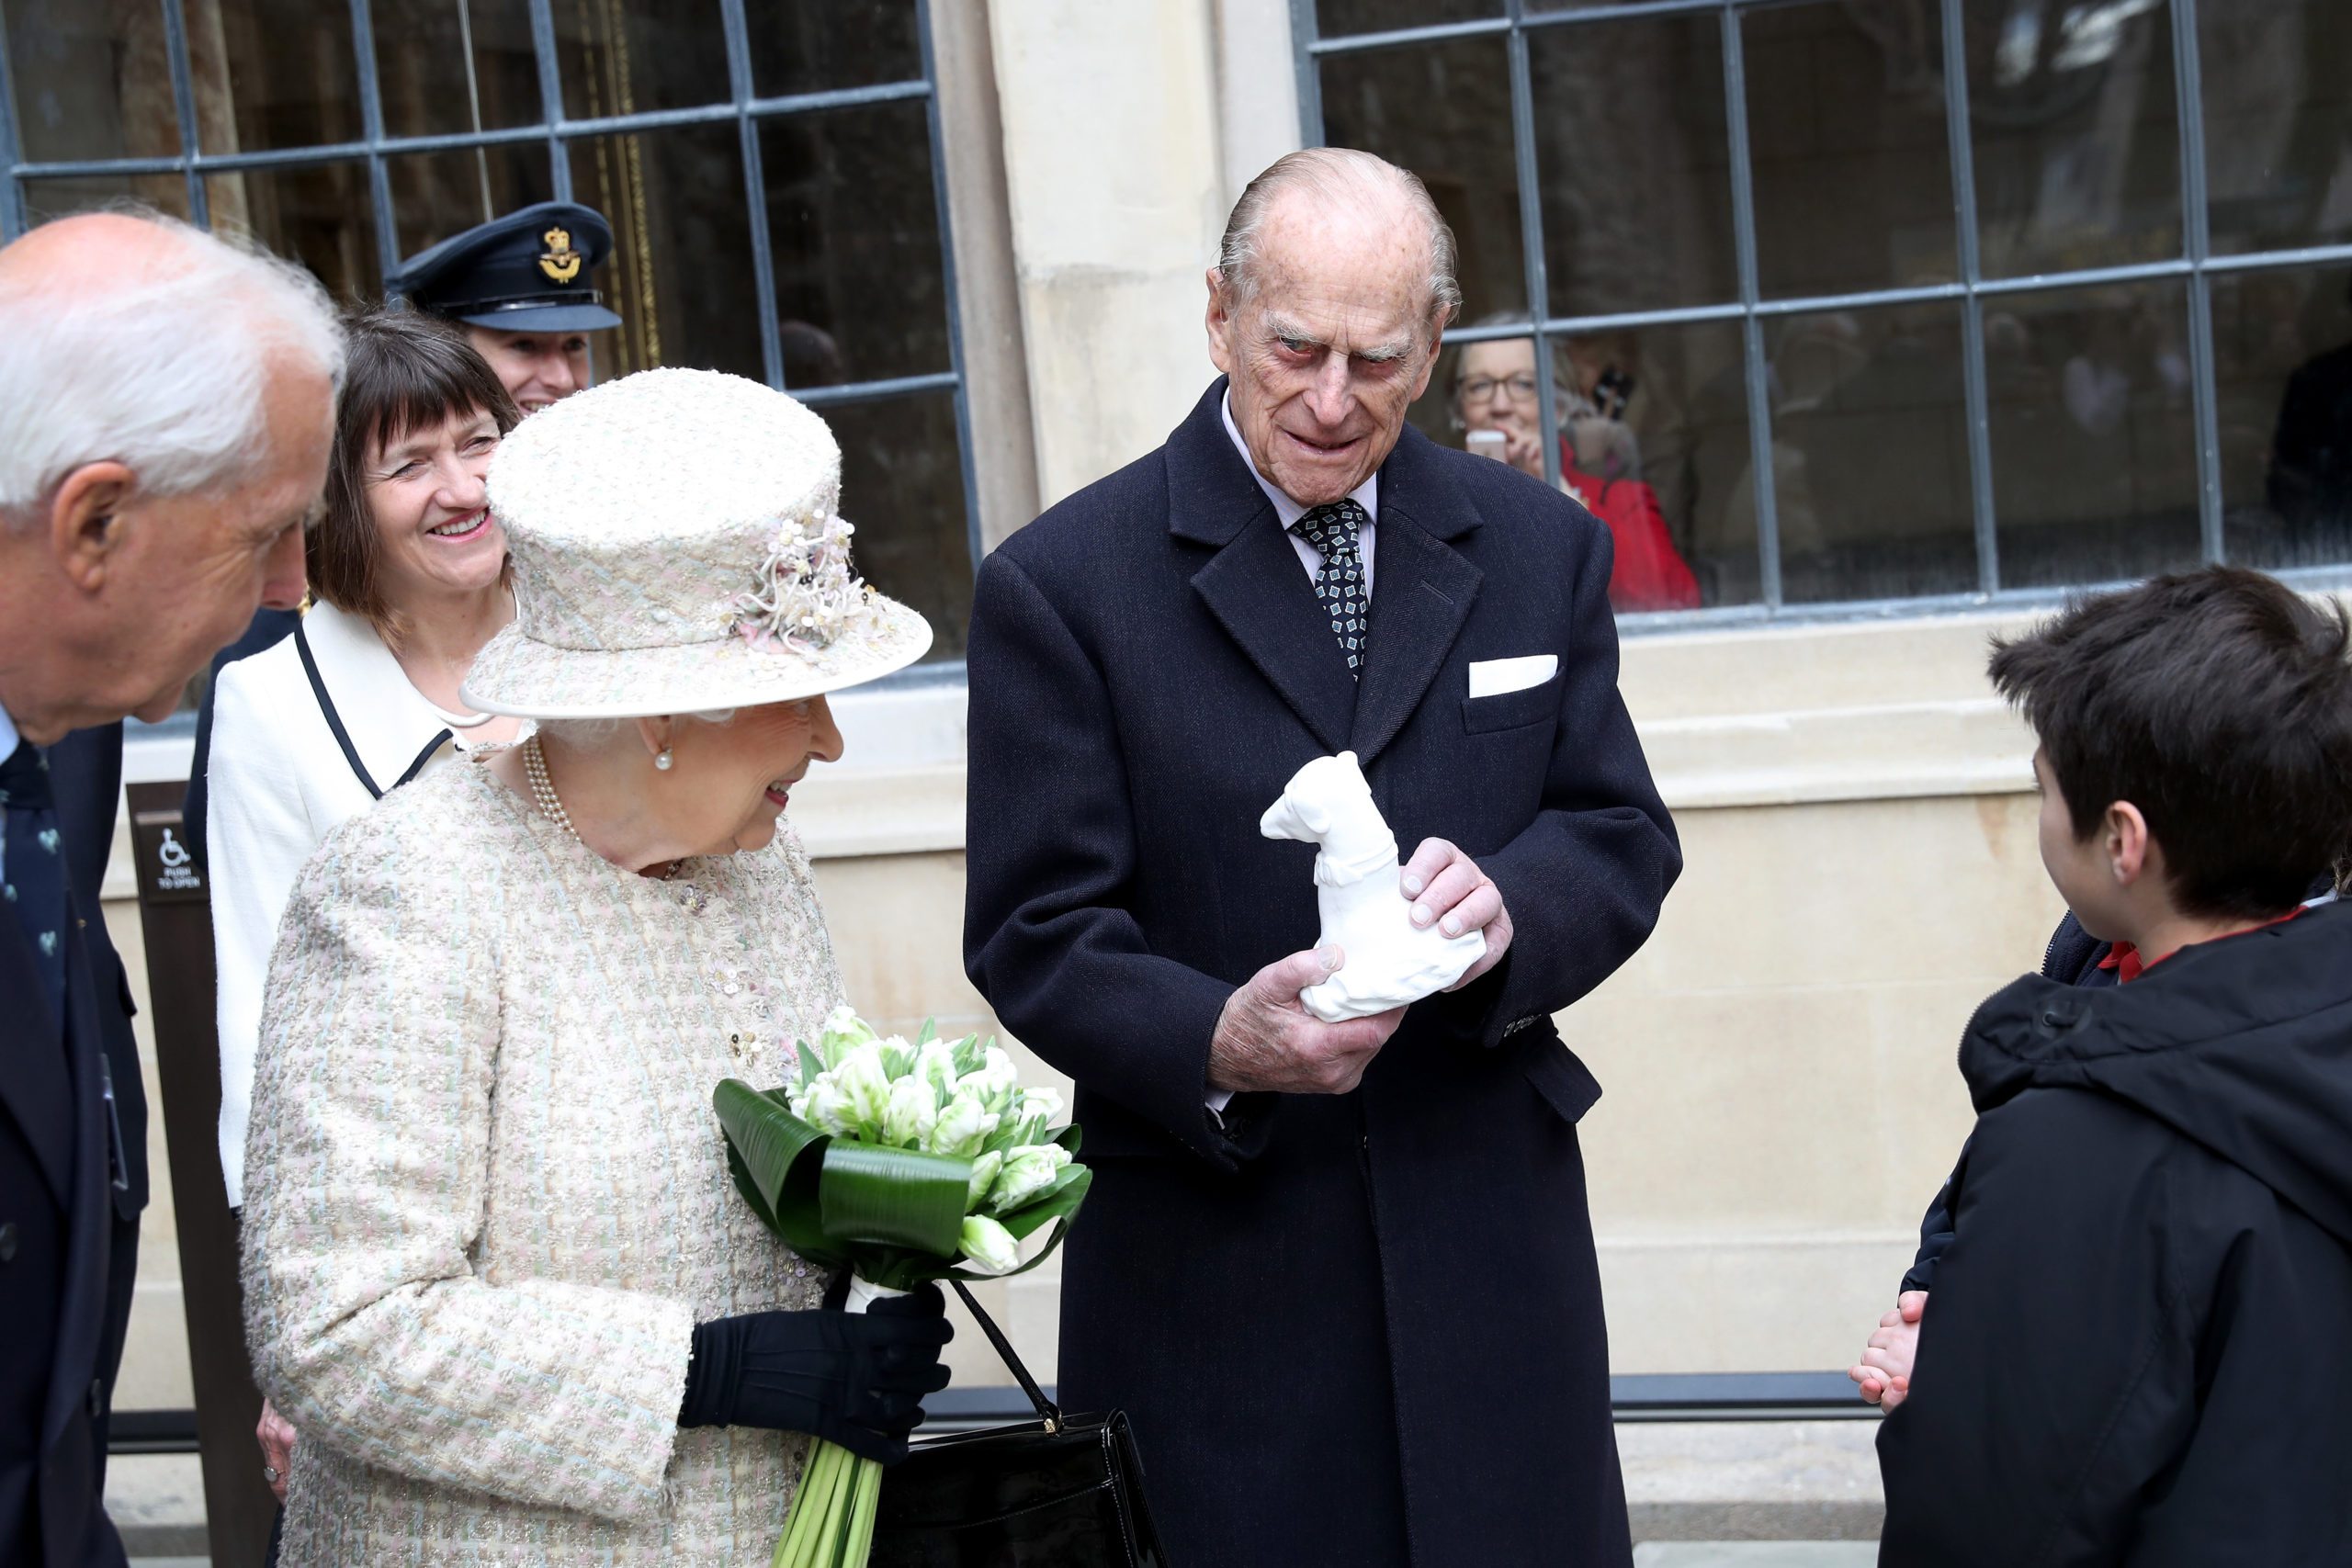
(896, 1197)
(895, 1215)
(768, 1154)
(765, 1133)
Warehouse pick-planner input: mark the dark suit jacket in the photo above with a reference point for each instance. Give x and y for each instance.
(1340, 1322)
(72, 1180)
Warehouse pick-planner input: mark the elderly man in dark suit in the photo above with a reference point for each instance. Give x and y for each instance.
(167, 403)
(1340, 1275)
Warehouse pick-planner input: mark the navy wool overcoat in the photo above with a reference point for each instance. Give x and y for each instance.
(1362, 1328)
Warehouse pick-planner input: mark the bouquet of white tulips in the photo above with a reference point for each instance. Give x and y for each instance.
(903, 1161)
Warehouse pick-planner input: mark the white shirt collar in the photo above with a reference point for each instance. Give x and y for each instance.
(8, 736)
(1366, 495)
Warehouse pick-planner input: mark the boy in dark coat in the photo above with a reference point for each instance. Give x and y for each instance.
(2134, 1352)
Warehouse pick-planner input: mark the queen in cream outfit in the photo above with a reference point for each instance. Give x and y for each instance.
(495, 1269)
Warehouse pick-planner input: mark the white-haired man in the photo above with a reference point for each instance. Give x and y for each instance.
(1340, 1276)
(166, 406)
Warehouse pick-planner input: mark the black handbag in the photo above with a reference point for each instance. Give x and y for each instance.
(1059, 1492)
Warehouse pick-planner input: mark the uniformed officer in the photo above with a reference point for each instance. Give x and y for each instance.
(522, 287)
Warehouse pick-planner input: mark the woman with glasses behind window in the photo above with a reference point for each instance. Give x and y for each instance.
(1497, 406)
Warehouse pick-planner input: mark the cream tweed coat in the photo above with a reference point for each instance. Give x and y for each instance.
(486, 1197)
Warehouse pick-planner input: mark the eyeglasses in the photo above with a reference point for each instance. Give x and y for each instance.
(1478, 389)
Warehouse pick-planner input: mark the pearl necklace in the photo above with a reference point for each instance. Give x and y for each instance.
(535, 766)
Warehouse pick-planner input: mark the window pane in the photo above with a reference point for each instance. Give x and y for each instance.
(631, 56)
(902, 485)
(1852, 169)
(435, 195)
(1657, 448)
(420, 50)
(319, 216)
(1870, 454)
(2078, 137)
(1443, 111)
(1635, 160)
(45, 199)
(2282, 351)
(2094, 438)
(1335, 18)
(681, 269)
(89, 80)
(855, 230)
(272, 73)
(2278, 91)
(814, 46)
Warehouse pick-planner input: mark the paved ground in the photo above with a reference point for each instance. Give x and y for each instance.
(1702, 1494)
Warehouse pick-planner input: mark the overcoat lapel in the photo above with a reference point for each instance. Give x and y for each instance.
(1254, 585)
(90, 1236)
(1258, 592)
(34, 1082)
(1421, 592)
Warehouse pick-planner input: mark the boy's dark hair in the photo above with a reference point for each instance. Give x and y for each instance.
(2218, 702)
(406, 371)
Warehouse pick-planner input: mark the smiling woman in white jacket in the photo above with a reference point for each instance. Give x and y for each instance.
(409, 579)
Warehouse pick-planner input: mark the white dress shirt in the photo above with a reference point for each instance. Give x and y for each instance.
(1366, 495)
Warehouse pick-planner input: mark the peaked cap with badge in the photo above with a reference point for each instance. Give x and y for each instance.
(530, 271)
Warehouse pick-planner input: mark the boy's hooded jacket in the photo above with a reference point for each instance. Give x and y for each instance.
(2138, 1347)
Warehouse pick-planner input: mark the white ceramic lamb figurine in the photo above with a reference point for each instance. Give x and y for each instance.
(1390, 960)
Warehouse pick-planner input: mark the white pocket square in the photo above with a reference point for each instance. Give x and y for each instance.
(1493, 677)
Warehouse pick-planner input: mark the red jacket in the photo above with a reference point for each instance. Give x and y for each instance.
(1650, 574)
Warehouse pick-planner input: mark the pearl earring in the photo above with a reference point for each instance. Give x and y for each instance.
(663, 760)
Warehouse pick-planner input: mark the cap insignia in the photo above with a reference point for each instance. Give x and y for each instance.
(561, 262)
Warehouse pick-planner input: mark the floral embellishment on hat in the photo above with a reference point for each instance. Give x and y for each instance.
(806, 598)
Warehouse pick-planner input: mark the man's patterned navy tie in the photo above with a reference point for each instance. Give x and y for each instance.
(32, 867)
(1331, 529)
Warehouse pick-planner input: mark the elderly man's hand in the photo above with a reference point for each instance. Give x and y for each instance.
(1266, 1042)
(1449, 891)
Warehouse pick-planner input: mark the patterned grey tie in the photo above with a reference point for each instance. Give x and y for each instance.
(1331, 529)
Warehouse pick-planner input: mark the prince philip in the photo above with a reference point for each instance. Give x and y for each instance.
(1341, 1276)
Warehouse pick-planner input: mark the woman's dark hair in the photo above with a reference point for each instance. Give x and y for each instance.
(406, 371)
(2218, 702)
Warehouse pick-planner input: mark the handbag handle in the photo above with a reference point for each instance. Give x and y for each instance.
(1048, 1411)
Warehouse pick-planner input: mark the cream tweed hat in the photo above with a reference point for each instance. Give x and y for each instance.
(678, 547)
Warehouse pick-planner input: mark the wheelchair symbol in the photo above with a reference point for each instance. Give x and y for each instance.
(172, 852)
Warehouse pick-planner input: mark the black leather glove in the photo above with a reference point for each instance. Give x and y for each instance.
(854, 1379)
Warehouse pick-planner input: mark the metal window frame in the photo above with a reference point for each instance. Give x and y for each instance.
(558, 130)
(2197, 265)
